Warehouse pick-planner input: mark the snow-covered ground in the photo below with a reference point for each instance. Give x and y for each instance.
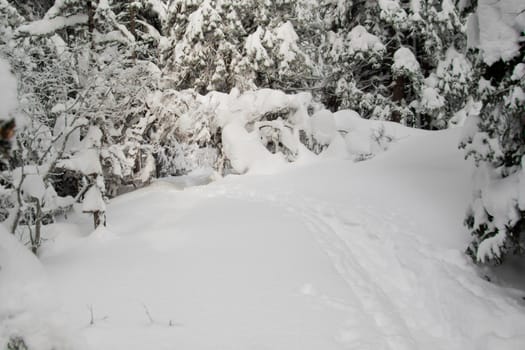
(331, 254)
(325, 254)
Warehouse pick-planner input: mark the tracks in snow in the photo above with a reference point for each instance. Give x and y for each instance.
(365, 256)
(406, 292)
(362, 259)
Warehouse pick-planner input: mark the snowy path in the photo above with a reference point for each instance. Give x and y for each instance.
(333, 255)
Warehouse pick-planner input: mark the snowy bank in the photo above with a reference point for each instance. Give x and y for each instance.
(329, 255)
(28, 311)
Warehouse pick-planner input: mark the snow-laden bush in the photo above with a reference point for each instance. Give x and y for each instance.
(256, 131)
(229, 132)
(82, 93)
(363, 139)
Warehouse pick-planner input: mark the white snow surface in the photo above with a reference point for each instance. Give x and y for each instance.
(326, 254)
(28, 307)
(495, 29)
(46, 26)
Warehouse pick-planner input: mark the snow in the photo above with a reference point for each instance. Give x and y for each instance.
(33, 186)
(93, 138)
(516, 98)
(158, 7)
(361, 135)
(93, 200)
(405, 59)
(194, 28)
(361, 40)
(415, 6)
(389, 5)
(499, 26)
(519, 72)
(245, 152)
(113, 36)
(47, 26)
(323, 126)
(261, 129)
(391, 10)
(499, 197)
(288, 38)
(492, 246)
(248, 106)
(521, 185)
(8, 88)
(447, 9)
(86, 161)
(198, 19)
(28, 308)
(431, 98)
(454, 64)
(328, 254)
(32, 183)
(254, 47)
(468, 113)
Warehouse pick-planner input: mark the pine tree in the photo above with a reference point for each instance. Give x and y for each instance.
(495, 140)
(364, 46)
(218, 45)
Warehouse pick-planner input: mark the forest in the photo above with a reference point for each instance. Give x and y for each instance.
(113, 95)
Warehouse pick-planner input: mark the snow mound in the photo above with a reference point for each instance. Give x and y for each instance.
(246, 153)
(329, 255)
(262, 130)
(28, 311)
(365, 138)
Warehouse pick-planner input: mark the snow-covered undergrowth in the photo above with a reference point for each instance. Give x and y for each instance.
(325, 254)
(260, 131)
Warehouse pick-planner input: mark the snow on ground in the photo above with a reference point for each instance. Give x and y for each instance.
(28, 308)
(330, 254)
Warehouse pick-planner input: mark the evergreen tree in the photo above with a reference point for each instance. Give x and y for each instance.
(367, 42)
(495, 139)
(218, 45)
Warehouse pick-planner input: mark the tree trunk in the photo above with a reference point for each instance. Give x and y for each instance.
(132, 27)
(38, 225)
(91, 21)
(398, 94)
(99, 218)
